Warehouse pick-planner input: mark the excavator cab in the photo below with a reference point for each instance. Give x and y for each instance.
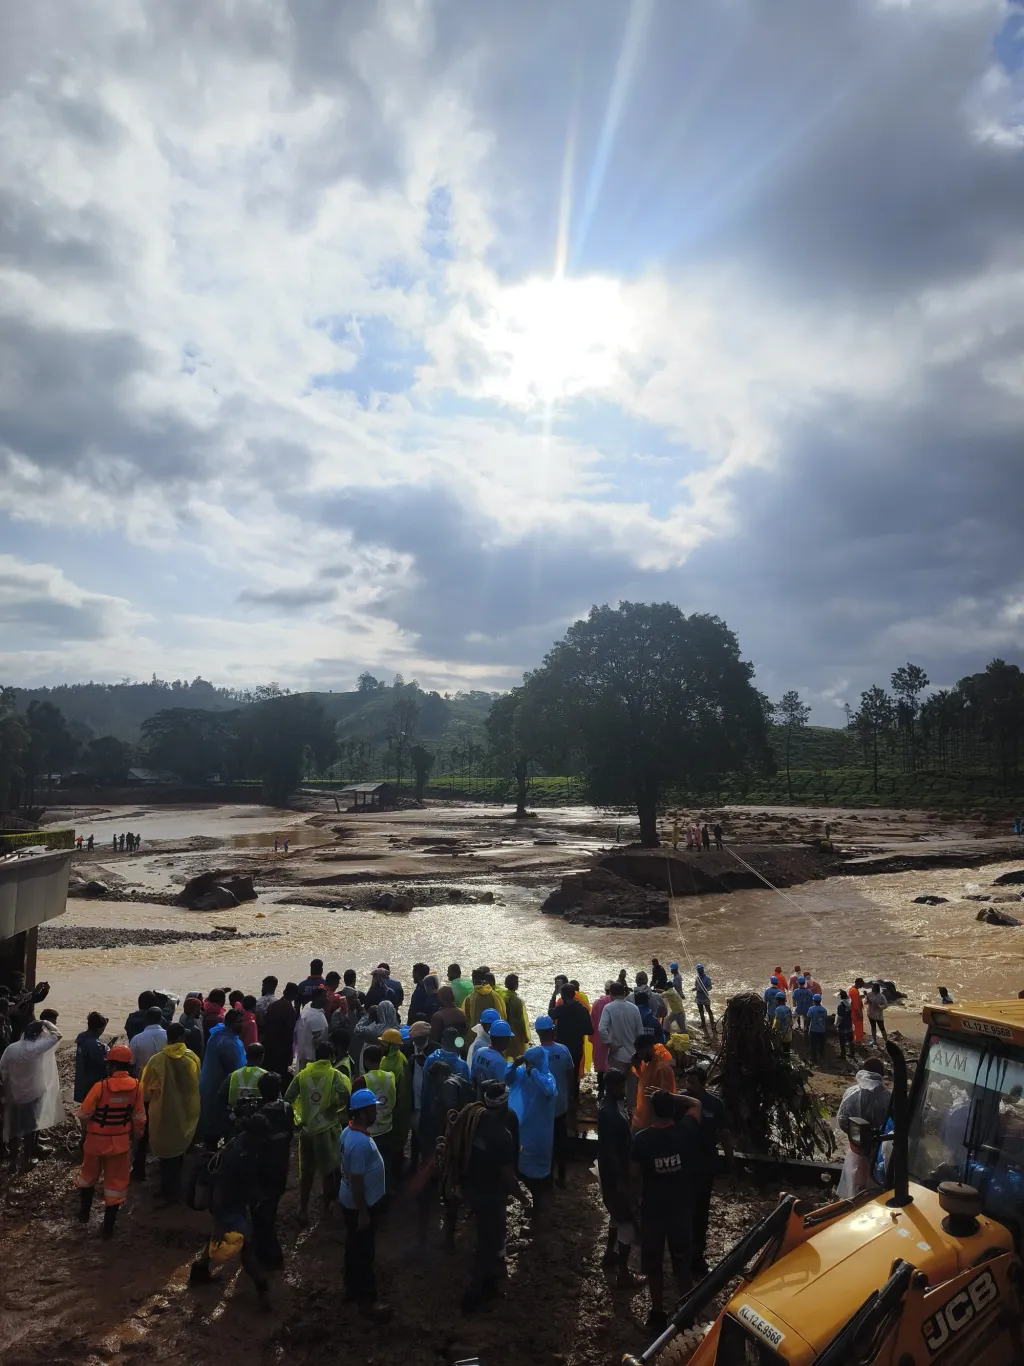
(926, 1271)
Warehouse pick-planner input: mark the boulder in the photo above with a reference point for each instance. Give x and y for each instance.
(600, 897)
(978, 896)
(1010, 879)
(238, 885)
(930, 900)
(993, 917)
(93, 888)
(217, 899)
(392, 901)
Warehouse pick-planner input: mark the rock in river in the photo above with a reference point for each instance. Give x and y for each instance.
(993, 917)
(930, 900)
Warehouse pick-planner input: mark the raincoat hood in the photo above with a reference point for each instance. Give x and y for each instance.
(387, 1015)
(537, 1058)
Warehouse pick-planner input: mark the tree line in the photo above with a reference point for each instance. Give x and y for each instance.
(974, 727)
(275, 738)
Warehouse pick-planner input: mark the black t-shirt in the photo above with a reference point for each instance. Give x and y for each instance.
(495, 1145)
(712, 1122)
(572, 1025)
(614, 1143)
(668, 1158)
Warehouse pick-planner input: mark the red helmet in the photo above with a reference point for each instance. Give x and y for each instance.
(120, 1053)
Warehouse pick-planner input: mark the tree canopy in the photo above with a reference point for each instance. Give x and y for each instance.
(648, 699)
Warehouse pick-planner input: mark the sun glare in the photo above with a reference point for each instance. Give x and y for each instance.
(551, 339)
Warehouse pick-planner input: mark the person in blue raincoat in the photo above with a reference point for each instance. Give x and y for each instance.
(534, 1098)
(224, 1053)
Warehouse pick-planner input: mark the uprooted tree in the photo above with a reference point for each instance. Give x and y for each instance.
(645, 699)
(767, 1094)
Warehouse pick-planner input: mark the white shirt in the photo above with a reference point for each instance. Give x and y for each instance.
(311, 1028)
(144, 1045)
(619, 1029)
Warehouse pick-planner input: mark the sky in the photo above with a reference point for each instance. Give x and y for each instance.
(394, 334)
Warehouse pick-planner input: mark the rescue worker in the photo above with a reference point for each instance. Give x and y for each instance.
(240, 1092)
(112, 1114)
(857, 1009)
(320, 1095)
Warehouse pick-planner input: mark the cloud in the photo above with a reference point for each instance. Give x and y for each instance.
(414, 329)
(45, 606)
(288, 598)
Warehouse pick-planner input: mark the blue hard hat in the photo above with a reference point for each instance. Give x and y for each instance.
(700, 967)
(817, 996)
(362, 1099)
(775, 980)
(543, 1024)
(673, 967)
(780, 995)
(501, 1029)
(800, 981)
(490, 1016)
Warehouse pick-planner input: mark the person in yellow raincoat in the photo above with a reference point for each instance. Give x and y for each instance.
(482, 997)
(515, 1014)
(588, 1049)
(170, 1088)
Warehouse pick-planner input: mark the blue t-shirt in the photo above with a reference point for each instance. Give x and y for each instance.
(489, 1065)
(360, 1157)
(802, 999)
(817, 1019)
(561, 1067)
(783, 1018)
(770, 993)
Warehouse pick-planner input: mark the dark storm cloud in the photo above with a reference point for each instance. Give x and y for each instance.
(878, 522)
(66, 404)
(466, 584)
(287, 599)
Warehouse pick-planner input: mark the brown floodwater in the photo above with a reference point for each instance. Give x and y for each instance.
(841, 927)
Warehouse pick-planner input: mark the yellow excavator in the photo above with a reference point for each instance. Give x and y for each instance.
(928, 1271)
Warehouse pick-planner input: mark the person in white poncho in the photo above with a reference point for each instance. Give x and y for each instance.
(31, 1089)
(867, 1099)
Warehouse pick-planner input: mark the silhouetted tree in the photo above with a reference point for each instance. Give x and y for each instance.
(792, 714)
(649, 699)
(422, 762)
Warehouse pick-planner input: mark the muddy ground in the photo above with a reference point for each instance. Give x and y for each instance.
(69, 1299)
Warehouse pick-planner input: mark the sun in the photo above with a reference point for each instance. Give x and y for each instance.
(549, 339)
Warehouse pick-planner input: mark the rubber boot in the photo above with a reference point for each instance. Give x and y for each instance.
(109, 1220)
(85, 1204)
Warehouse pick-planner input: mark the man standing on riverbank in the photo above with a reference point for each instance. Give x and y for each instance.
(620, 1028)
(876, 1003)
(857, 1009)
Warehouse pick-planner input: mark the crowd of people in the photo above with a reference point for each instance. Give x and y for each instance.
(463, 1106)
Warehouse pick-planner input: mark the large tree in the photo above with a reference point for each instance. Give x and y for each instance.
(792, 714)
(108, 759)
(51, 746)
(649, 699)
(422, 762)
(509, 748)
(874, 720)
(400, 727)
(189, 741)
(282, 737)
(908, 683)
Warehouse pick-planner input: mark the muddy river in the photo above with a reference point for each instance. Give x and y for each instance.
(840, 927)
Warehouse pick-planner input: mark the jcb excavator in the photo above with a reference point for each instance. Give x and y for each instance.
(928, 1271)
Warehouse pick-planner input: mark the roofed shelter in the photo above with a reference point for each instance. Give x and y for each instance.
(366, 795)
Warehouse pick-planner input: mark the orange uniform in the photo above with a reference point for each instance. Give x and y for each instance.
(656, 1075)
(114, 1113)
(857, 1014)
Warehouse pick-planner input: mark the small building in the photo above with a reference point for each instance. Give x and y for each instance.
(368, 795)
(151, 777)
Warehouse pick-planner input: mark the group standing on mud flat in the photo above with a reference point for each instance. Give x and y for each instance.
(457, 1109)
